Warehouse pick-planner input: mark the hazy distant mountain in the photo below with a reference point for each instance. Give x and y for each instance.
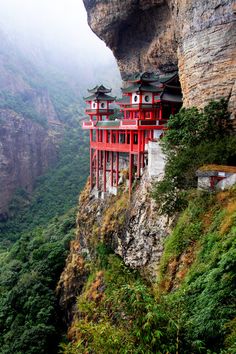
(37, 87)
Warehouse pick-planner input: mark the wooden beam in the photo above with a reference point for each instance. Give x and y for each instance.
(117, 168)
(104, 171)
(97, 169)
(111, 168)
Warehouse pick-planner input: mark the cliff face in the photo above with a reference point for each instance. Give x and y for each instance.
(134, 230)
(29, 124)
(26, 151)
(198, 37)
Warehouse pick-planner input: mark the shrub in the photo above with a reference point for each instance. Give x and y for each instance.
(194, 138)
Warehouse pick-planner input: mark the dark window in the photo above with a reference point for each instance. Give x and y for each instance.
(102, 105)
(135, 98)
(122, 138)
(146, 98)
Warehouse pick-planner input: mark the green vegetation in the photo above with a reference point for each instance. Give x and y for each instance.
(190, 309)
(29, 323)
(194, 138)
(117, 312)
(199, 262)
(33, 248)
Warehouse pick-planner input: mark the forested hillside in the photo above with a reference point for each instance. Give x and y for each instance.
(44, 161)
(34, 244)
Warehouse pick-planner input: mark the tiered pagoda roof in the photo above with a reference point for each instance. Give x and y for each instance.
(142, 77)
(101, 89)
(99, 93)
(141, 87)
(165, 86)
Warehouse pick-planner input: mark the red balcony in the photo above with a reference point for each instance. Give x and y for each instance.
(118, 147)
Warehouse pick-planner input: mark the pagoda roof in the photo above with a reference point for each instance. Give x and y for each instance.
(143, 76)
(123, 100)
(99, 97)
(170, 97)
(164, 78)
(136, 87)
(99, 88)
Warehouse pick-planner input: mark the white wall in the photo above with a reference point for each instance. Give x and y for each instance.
(138, 98)
(149, 95)
(156, 160)
(94, 105)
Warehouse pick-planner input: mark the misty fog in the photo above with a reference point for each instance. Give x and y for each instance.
(56, 32)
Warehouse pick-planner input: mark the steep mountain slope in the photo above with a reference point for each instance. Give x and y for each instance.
(37, 91)
(29, 125)
(27, 150)
(33, 248)
(185, 304)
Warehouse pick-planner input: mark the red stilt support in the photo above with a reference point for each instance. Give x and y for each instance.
(91, 169)
(139, 154)
(104, 171)
(111, 168)
(161, 113)
(172, 109)
(138, 164)
(97, 169)
(117, 168)
(131, 157)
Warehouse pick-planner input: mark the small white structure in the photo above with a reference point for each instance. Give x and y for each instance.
(156, 160)
(211, 177)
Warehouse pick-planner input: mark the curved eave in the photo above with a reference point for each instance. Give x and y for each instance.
(101, 89)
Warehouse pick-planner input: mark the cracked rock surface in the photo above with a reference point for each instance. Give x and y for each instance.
(198, 37)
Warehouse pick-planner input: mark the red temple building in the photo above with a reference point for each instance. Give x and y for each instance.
(147, 103)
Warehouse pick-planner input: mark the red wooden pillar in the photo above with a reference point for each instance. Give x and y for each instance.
(117, 168)
(151, 134)
(172, 109)
(105, 136)
(139, 155)
(104, 171)
(117, 137)
(91, 168)
(100, 160)
(97, 169)
(111, 168)
(131, 137)
(131, 159)
(161, 115)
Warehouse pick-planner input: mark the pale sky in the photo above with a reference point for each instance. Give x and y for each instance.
(59, 23)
